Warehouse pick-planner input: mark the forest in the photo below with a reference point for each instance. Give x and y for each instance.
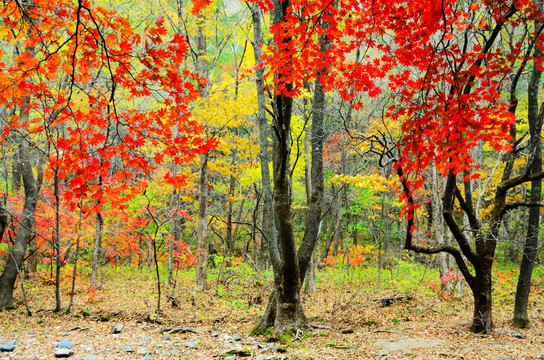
(271, 179)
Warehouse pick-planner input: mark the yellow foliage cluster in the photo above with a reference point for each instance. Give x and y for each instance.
(373, 182)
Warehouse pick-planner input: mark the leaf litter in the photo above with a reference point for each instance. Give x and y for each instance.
(349, 321)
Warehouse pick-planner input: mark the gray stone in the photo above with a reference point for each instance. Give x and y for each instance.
(146, 358)
(127, 349)
(142, 351)
(166, 337)
(65, 344)
(230, 357)
(235, 338)
(270, 347)
(146, 337)
(90, 357)
(7, 348)
(542, 356)
(519, 336)
(260, 357)
(116, 328)
(382, 354)
(63, 352)
(192, 344)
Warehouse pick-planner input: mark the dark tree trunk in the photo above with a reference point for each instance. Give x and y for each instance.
(485, 242)
(284, 311)
(481, 290)
(530, 248)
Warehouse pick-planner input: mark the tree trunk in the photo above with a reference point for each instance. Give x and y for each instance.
(481, 290)
(530, 248)
(445, 264)
(268, 226)
(17, 251)
(229, 238)
(310, 287)
(175, 232)
(58, 261)
(337, 237)
(202, 229)
(97, 249)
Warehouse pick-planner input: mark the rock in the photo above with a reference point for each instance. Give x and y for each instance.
(116, 328)
(230, 357)
(11, 342)
(146, 338)
(65, 344)
(519, 336)
(260, 357)
(7, 348)
(215, 334)
(382, 354)
(192, 344)
(166, 337)
(127, 349)
(146, 358)
(235, 338)
(90, 357)
(542, 356)
(270, 347)
(63, 352)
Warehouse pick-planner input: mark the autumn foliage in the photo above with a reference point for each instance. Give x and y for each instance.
(107, 105)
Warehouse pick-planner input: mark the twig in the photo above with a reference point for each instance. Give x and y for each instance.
(390, 331)
(182, 330)
(317, 326)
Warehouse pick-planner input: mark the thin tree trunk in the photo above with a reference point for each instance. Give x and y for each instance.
(174, 236)
(58, 261)
(202, 229)
(229, 238)
(268, 226)
(97, 248)
(74, 273)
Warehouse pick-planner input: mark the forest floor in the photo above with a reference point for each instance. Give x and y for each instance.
(349, 317)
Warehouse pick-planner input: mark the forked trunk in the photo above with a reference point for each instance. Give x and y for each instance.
(18, 249)
(283, 317)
